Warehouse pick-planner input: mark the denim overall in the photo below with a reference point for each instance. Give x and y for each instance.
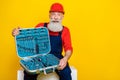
(56, 49)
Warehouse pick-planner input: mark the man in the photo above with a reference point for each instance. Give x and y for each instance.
(59, 39)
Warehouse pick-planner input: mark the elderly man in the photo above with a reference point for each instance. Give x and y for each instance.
(59, 39)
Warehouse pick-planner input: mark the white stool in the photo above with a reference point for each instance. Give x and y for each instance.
(20, 75)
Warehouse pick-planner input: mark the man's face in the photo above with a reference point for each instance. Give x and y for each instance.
(56, 16)
(55, 24)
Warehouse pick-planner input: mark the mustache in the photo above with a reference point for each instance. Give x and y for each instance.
(55, 21)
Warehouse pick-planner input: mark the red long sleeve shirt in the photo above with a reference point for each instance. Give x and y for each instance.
(66, 39)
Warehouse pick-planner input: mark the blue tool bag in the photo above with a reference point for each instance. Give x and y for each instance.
(33, 47)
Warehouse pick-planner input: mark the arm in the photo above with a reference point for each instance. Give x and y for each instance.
(67, 45)
(68, 54)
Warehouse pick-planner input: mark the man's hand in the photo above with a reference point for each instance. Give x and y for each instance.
(62, 64)
(15, 31)
(64, 60)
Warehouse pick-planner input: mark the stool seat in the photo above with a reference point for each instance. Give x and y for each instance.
(50, 76)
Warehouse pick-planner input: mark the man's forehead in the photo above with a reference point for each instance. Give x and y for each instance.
(56, 12)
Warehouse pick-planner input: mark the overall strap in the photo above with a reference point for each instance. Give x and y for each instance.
(60, 33)
(45, 24)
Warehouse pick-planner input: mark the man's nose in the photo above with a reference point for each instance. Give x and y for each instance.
(56, 17)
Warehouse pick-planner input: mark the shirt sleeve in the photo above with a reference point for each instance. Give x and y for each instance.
(39, 25)
(66, 38)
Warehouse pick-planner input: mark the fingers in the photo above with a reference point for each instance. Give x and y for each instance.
(62, 64)
(15, 31)
(61, 67)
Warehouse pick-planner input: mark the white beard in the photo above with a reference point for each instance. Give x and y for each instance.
(55, 26)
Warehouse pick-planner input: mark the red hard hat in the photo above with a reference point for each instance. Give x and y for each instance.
(57, 7)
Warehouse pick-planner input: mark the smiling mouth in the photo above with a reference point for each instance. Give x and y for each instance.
(55, 21)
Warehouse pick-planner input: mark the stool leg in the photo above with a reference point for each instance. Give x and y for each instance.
(20, 75)
(73, 73)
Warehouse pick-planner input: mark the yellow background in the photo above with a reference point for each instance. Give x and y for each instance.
(95, 31)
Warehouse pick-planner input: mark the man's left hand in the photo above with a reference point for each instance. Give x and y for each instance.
(62, 64)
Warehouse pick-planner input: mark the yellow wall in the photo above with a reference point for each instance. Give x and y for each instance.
(95, 31)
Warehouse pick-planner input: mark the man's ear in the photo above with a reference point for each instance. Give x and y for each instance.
(62, 16)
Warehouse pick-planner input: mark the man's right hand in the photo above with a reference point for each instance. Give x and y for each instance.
(15, 31)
